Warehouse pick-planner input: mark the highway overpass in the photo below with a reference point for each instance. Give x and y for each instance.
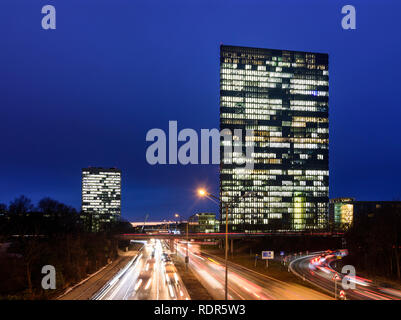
(231, 235)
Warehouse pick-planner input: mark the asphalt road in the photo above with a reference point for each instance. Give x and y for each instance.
(88, 287)
(316, 269)
(244, 284)
(147, 277)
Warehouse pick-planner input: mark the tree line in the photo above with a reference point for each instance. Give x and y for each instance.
(374, 243)
(50, 233)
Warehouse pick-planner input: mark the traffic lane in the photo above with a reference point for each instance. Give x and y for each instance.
(161, 285)
(322, 276)
(148, 276)
(144, 282)
(239, 283)
(121, 288)
(151, 286)
(87, 289)
(243, 284)
(213, 279)
(170, 275)
(272, 288)
(159, 280)
(128, 285)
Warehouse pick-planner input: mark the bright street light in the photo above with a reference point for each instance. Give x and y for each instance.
(204, 193)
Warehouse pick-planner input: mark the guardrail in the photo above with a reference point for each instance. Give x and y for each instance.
(290, 268)
(102, 292)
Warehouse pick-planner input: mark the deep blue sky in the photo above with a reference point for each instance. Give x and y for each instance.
(87, 93)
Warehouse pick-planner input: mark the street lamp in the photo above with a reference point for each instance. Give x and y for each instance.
(176, 215)
(186, 255)
(204, 193)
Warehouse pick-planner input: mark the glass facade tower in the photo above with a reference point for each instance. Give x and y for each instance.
(283, 97)
(101, 196)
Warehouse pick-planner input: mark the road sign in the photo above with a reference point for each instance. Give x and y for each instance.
(342, 294)
(267, 255)
(335, 279)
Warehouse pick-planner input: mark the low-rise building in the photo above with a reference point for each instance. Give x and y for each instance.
(204, 222)
(344, 212)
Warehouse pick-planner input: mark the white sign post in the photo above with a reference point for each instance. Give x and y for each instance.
(266, 255)
(335, 279)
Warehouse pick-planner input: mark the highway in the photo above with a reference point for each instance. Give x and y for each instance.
(88, 287)
(146, 277)
(151, 275)
(316, 268)
(244, 284)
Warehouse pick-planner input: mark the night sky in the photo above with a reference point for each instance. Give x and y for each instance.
(86, 93)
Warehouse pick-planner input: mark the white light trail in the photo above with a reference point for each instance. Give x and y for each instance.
(170, 288)
(148, 284)
(138, 285)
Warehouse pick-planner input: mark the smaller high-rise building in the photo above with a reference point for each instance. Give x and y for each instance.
(101, 196)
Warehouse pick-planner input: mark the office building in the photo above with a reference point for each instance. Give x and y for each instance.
(101, 196)
(341, 213)
(283, 97)
(346, 212)
(204, 222)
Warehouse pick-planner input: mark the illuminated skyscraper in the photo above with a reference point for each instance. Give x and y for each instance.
(283, 96)
(101, 196)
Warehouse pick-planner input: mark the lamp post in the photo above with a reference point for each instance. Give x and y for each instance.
(186, 255)
(226, 257)
(204, 193)
(176, 215)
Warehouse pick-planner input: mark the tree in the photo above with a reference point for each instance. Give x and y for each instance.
(31, 250)
(54, 208)
(21, 206)
(48, 206)
(57, 217)
(3, 209)
(374, 242)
